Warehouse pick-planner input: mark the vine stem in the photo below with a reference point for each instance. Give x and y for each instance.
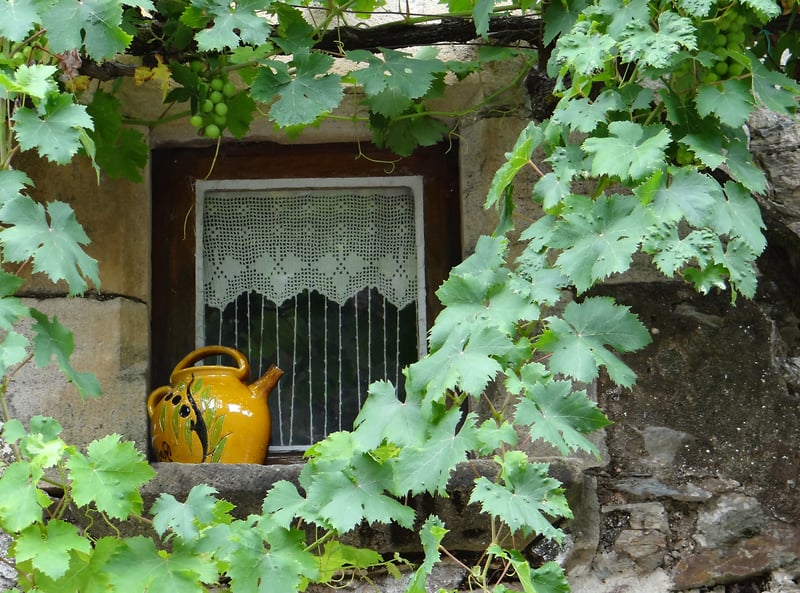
(447, 553)
(536, 168)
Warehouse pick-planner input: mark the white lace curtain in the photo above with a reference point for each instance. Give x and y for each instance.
(335, 241)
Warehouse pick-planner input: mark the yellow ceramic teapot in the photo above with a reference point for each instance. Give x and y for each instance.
(209, 413)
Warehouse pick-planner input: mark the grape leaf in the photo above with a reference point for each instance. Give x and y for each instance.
(554, 187)
(550, 578)
(345, 498)
(690, 194)
(110, 475)
(577, 341)
(739, 259)
(519, 156)
(121, 151)
(406, 132)
(671, 252)
(281, 567)
(740, 163)
(362, 8)
(431, 534)
(631, 151)
(42, 450)
(52, 237)
(466, 360)
(706, 144)
(95, 24)
(584, 114)
(384, 416)
(560, 17)
(621, 14)
(390, 102)
(53, 340)
(11, 308)
(35, 80)
(232, 23)
(56, 135)
(774, 89)
(486, 261)
(707, 278)
(740, 216)
(86, 572)
(21, 502)
(545, 282)
(560, 416)
(20, 16)
(639, 43)
(139, 567)
(12, 183)
(698, 8)
(766, 10)
(492, 436)
(525, 496)
(583, 49)
(183, 517)
(295, 33)
(547, 578)
(283, 503)
(730, 100)
(311, 92)
(597, 237)
(240, 113)
(427, 467)
(13, 350)
(337, 557)
(48, 546)
(469, 301)
(398, 70)
(481, 12)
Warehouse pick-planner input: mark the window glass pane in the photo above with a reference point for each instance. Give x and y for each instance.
(330, 353)
(325, 283)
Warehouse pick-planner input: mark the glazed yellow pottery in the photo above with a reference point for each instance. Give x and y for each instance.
(210, 413)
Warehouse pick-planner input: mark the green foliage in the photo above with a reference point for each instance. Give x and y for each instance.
(644, 153)
(121, 152)
(525, 497)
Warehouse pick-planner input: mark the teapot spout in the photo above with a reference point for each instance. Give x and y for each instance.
(262, 387)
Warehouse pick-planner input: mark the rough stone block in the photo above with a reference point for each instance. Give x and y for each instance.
(111, 340)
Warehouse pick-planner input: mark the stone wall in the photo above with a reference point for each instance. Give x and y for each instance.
(697, 489)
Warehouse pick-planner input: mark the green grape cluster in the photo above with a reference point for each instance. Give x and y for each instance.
(728, 45)
(211, 115)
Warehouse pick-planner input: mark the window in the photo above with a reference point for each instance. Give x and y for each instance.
(305, 257)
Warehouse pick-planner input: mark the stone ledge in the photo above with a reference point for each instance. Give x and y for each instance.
(245, 486)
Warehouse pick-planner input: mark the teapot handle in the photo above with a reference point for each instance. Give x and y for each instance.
(155, 397)
(242, 372)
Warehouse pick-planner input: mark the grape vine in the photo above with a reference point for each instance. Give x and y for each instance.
(645, 152)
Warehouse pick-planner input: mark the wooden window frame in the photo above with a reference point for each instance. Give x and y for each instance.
(174, 171)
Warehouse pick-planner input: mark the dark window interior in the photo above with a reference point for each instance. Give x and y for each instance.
(175, 171)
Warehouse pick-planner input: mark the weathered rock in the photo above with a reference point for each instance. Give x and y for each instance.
(8, 576)
(718, 383)
(775, 143)
(747, 558)
(664, 443)
(647, 488)
(733, 517)
(784, 582)
(644, 538)
(594, 581)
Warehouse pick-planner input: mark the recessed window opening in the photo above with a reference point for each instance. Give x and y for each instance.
(323, 277)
